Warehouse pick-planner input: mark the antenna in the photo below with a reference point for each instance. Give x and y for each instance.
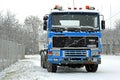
(110, 16)
(73, 4)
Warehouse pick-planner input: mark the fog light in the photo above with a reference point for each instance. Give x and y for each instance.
(95, 59)
(55, 59)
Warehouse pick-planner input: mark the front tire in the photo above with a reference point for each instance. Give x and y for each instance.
(43, 61)
(51, 67)
(91, 67)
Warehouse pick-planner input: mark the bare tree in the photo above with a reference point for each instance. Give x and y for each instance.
(11, 29)
(117, 24)
(32, 23)
(117, 30)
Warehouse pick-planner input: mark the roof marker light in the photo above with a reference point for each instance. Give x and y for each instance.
(75, 8)
(69, 8)
(80, 8)
(56, 7)
(87, 7)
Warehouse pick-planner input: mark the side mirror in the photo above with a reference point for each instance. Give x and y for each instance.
(45, 25)
(103, 24)
(45, 17)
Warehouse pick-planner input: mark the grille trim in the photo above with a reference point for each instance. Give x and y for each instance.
(75, 53)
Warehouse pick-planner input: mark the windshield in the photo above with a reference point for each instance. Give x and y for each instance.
(75, 20)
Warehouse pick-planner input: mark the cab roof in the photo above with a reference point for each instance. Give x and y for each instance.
(77, 11)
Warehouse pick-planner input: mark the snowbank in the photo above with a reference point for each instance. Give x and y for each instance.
(29, 69)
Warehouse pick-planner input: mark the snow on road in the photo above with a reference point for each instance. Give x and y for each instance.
(29, 69)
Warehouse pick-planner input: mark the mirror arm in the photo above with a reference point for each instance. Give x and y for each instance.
(102, 17)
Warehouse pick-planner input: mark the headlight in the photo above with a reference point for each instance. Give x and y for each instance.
(55, 53)
(94, 53)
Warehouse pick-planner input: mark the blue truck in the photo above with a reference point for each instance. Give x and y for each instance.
(73, 39)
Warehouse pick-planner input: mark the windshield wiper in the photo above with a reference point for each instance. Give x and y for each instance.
(87, 28)
(58, 29)
(73, 29)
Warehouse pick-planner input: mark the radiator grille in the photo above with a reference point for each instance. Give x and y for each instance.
(75, 53)
(63, 41)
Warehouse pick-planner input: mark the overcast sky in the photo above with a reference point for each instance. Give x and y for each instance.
(23, 8)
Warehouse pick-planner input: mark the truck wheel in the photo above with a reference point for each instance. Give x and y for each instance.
(91, 67)
(43, 60)
(51, 67)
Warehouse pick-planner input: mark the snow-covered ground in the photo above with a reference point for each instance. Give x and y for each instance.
(29, 69)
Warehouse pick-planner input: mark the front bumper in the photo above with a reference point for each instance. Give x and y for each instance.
(78, 56)
(84, 61)
(65, 61)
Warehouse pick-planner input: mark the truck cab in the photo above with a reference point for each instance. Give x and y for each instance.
(73, 39)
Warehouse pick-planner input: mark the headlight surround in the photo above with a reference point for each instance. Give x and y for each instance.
(50, 40)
